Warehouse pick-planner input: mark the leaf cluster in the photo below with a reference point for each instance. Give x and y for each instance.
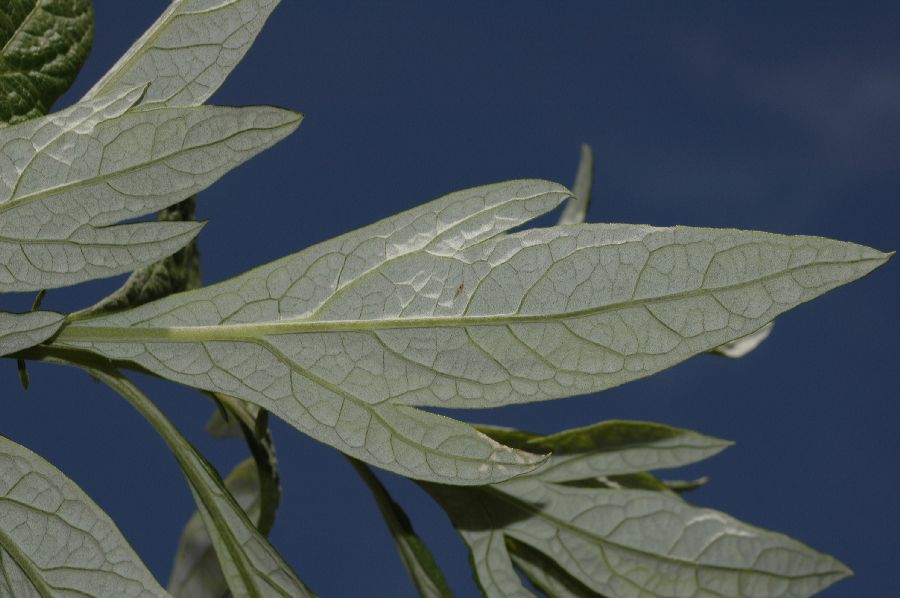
(455, 303)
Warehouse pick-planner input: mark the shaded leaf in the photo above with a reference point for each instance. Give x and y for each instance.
(740, 347)
(196, 572)
(435, 307)
(545, 574)
(21, 331)
(44, 43)
(55, 541)
(66, 178)
(577, 207)
(252, 567)
(625, 543)
(189, 51)
(418, 560)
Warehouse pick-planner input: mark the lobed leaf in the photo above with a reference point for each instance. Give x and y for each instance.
(251, 566)
(436, 308)
(55, 541)
(21, 331)
(189, 51)
(65, 179)
(43, 44)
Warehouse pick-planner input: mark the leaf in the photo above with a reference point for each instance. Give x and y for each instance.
(252, 567)
(418, 560)
(251, 423)
(66, 178)
(740, 347)
(43, 44)
(55, 541)
(611, 448)
(190, 50)
(196, 572)
(577, 207)
(626, 543)
(21, 331)
(174, 274)
(545, 574)
(435, 308)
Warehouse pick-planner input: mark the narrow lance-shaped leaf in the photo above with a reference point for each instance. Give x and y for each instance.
(43, 44)
(55, 541)
(576, 208)
(66, 178)
(21, 331)
(627, 543)
(626, 537)
(611, 448)
(434, 307)
(189, 51)
(417, 558)
(196, 572)
(252, 567)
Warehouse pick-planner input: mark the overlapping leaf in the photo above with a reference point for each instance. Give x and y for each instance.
(21, 331)
(196, 572)
(251, 566)
(611, 448)
(43, 44)
(190, 50)
(66, 178)
(54, 541)
(434, 307)
(608, 539)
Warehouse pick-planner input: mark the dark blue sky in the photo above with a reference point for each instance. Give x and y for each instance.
(764, 115)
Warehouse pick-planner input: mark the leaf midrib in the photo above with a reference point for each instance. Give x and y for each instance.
(245, 332)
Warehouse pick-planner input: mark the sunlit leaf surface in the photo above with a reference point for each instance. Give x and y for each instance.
(434, 307)
(190, 50)
(65, 179)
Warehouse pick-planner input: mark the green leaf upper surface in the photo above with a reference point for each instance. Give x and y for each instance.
(66, 178)
(43, 44)
(190, 50)
(196, 572)
(54, 541)
(21, 331)
(251, 566)
(434, 307)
